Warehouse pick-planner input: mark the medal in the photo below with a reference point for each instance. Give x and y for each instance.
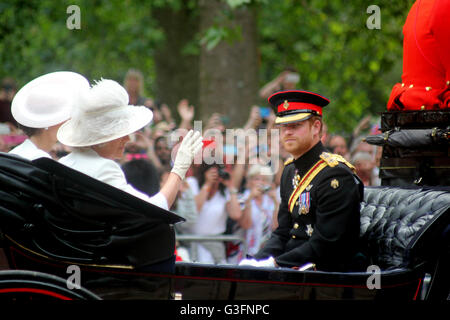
(296, 180)
(303, 210)
(304, 204)
(309, 230)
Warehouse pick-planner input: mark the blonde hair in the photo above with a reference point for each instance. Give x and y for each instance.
(134, 73)
(257, 169)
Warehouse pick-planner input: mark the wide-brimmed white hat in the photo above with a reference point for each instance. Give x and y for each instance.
(47, 100)
(103, 115)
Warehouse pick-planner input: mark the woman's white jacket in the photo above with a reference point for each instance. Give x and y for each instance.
(89, 162)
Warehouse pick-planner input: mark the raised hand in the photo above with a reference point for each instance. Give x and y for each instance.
(190, 146)
(185, 111)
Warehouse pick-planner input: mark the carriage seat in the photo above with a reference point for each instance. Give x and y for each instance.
(400, 225)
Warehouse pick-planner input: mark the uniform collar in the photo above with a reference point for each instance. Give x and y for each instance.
(306, 161)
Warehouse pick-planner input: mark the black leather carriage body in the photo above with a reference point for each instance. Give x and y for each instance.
(65, 215)
(51, 216)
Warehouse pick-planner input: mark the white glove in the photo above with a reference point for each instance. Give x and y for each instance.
(269, 262)
(191, 144)
(248, 262)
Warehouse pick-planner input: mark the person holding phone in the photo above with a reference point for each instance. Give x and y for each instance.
(259, 215)
(41, 107)
(286, 80)
(216, 200)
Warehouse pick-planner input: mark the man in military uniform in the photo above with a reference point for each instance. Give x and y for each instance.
(320, 193)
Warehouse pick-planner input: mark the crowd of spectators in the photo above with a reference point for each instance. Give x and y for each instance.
(240, 198)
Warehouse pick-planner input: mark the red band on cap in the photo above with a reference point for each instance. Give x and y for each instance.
(287, 106)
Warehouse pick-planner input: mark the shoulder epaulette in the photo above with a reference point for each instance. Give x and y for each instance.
(333, 160)
(288, 161)
(330, 159)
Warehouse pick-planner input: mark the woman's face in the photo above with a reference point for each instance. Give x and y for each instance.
(259, 181)
(112, 149)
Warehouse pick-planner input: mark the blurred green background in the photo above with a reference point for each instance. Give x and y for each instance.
(217, 54)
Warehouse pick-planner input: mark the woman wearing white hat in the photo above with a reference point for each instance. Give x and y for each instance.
(99, 130)
(41, 107)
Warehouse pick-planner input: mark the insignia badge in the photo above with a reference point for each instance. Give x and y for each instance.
(286, 104)
(304, 203)
(334, 184)
(309, 187)
(296, 180)
(309, 230)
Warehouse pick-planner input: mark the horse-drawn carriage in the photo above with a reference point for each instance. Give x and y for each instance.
(52, 218)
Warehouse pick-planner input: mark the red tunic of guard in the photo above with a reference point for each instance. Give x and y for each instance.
(426, 59)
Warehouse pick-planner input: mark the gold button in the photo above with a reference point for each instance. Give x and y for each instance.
(428, 88)
(422, 108)
(403, 84)
(296, 226)
(293, 237)
(411, 85)
(448, 82)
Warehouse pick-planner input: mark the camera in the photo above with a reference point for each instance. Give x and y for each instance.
(265, 189)
(223, 174)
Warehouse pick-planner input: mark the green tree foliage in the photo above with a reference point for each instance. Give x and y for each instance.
(327, 41)
(335, 53)
(115, 35)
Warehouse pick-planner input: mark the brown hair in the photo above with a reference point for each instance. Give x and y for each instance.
(313, 119)
(29, 131)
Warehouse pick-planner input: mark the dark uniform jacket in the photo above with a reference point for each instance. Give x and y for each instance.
(323, 227)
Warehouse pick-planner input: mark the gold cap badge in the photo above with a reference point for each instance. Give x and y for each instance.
(286, 104)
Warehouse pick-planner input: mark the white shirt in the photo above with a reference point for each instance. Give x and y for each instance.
(108, 171)
(28, 150)
(262, 222)
(212, 218)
